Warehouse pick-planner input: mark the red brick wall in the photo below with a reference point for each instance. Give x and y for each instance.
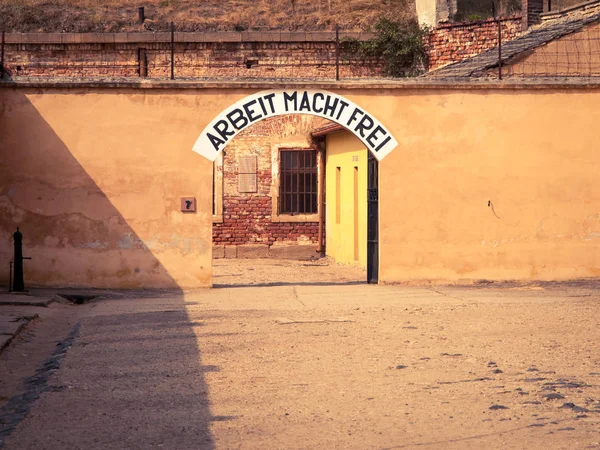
(456, 42)
(226, 55)
(247, 220)
(247, 217)
(218, 55)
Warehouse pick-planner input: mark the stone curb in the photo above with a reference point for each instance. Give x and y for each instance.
(43, 303)
(6, 339)
(435, 83)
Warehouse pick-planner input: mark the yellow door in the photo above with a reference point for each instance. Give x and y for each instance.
(346, 199)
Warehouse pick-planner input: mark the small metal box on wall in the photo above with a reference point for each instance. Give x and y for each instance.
(247, 178)
(188, 204)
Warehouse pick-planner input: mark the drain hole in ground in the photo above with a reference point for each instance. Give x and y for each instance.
(77, 298)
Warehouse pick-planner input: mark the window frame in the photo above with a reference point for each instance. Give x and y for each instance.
(278, 216)
(305, 195)
(217, 216)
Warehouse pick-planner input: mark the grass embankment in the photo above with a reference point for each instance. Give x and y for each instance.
(197, 15)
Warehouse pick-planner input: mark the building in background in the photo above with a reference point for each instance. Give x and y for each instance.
(267, 196)
(566, 43)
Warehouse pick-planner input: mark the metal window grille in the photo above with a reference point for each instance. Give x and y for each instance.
(298, 182)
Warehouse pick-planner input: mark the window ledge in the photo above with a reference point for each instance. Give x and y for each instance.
(217, 219)
(295, 218)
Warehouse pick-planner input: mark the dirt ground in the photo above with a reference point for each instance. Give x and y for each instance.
(228, 272)
(314, 366)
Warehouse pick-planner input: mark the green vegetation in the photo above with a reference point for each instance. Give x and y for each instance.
(474, 17)
(398, 45)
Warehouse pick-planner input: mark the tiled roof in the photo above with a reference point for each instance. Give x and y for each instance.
(329, 128)
(573, 21)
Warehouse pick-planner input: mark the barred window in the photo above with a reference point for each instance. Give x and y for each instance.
(298, 182)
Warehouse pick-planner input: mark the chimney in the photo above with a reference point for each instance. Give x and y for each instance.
(531, 12)
(432, 12)
(426, 12)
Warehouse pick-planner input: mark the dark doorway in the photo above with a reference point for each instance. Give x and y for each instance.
(372, 220)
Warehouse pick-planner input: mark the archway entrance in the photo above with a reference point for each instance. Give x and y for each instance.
(299, 185)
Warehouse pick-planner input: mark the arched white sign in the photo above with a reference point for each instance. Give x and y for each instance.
(272, 103)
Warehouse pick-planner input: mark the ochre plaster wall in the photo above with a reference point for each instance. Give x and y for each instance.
(459, 150)
(345, 151)
(94, 180)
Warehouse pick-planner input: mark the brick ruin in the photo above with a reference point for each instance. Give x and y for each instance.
(247, 220)
(196, 55)
(246, 55)
(450, 43)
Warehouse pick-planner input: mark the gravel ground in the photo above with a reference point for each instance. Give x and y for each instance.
(313, 366)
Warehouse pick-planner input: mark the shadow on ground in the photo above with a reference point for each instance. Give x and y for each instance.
(123, 379)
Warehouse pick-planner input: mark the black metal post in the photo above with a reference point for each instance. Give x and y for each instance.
(499, 49)
(337, 53)
(172, 51)
(2, 54)
(18, 283)
(372, 219)
(10, 276)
